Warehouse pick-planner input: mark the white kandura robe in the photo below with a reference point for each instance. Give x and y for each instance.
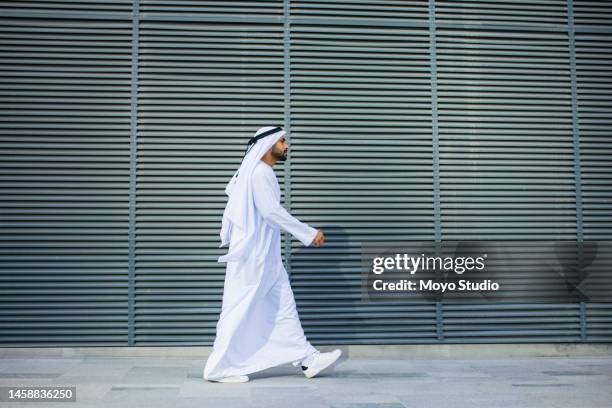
(259, 325)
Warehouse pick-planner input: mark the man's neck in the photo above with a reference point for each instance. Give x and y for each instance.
(268, 160)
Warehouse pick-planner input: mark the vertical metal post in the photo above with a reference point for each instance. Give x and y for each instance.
(436, 149)
(576, 142)
(133, 158)
(287, 123)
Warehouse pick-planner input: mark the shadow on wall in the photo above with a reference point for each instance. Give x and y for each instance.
(326, 282)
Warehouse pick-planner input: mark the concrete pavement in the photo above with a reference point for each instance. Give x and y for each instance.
(584, 382)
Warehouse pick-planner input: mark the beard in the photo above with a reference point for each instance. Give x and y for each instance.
(279, 155)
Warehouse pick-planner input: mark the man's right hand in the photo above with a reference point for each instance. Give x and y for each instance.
(319, 239)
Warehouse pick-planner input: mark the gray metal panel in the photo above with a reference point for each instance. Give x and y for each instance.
(190, 9)
(511, 13)
(506, 153)
(594, 78)
(343, 9)
(360, 171)
(511, 323)
(594, 90)
(64, 140)
(69, 6)
(593, 13)
(203, 90)
(408, 120)
(599, 322)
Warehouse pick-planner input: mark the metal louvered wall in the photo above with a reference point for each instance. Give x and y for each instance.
(410, 120)
(65, 172)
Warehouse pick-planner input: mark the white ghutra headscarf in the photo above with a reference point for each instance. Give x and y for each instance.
(239, 212)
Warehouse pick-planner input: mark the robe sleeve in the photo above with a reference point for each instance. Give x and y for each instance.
(274, 213)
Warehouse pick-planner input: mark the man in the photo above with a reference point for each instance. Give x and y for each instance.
(259, 325)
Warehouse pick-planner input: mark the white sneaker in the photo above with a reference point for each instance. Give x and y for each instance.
(233, 379)
(320, 362)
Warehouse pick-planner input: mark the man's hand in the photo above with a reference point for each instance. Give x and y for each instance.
(319, 239)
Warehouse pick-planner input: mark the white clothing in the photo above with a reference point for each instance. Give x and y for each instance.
(259, 325)
(240, 208)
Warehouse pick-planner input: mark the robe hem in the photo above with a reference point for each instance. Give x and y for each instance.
(257, 367)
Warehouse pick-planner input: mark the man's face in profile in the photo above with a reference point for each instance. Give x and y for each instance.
(280, 149)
